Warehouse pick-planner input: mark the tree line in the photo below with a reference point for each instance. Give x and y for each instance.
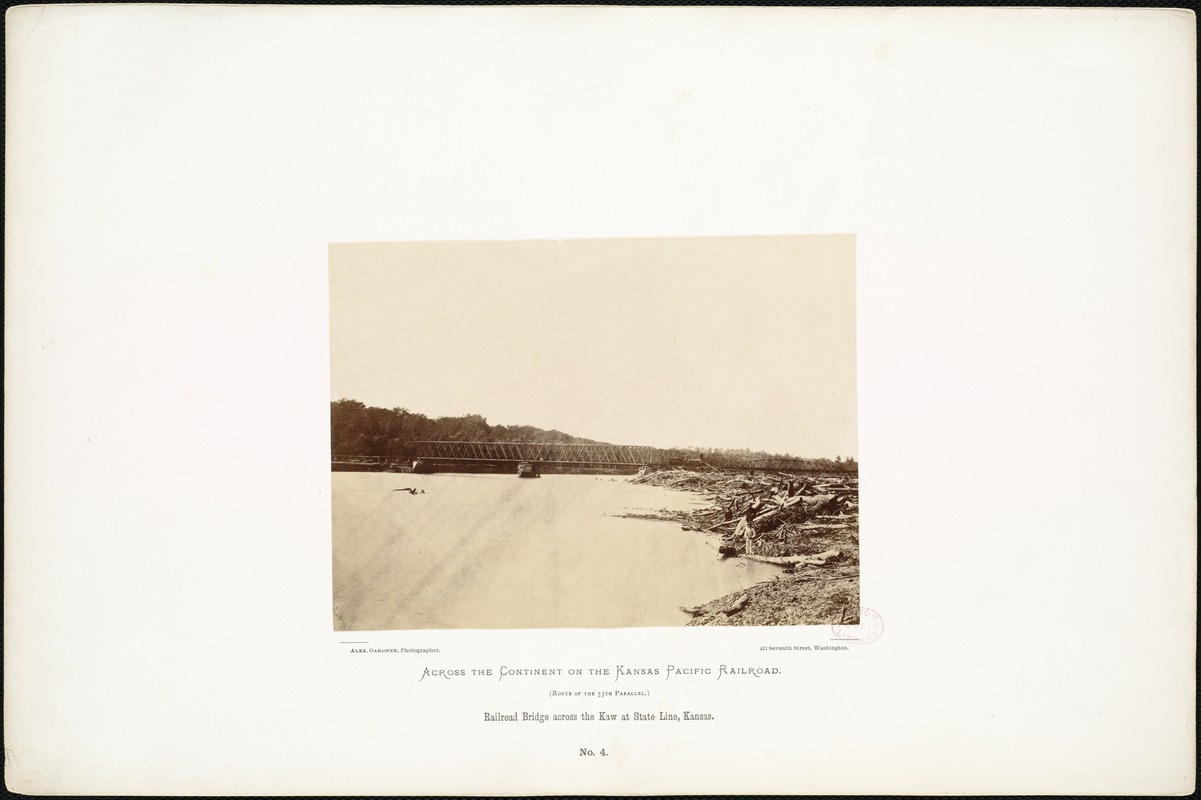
(361, 430)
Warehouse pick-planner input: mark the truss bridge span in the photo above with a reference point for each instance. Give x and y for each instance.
(601, 455)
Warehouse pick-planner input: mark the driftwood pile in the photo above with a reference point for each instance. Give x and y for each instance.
(783, 519)
(808, 524)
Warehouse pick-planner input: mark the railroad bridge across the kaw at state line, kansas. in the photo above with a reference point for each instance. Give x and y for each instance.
(567, 454)
(446, 454)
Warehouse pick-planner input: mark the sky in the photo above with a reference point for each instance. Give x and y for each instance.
(732, 342)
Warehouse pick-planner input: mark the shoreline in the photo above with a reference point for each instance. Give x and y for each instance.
(808, 525)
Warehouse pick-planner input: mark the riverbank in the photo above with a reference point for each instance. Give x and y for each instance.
(806, 524)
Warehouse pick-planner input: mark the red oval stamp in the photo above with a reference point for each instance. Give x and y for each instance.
(869, 628)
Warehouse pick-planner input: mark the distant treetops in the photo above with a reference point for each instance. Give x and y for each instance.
(360, 430)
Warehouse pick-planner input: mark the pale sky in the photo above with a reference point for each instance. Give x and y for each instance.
(713, 342)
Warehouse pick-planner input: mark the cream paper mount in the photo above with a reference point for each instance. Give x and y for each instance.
(1019, 186)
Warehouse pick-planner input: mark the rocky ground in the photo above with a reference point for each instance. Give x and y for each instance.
(807, 524)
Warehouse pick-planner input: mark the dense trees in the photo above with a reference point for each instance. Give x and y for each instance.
(360, 430)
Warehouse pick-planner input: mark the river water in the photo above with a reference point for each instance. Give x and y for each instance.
(496, 551)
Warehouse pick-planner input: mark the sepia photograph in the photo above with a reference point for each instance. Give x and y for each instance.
(594, 433)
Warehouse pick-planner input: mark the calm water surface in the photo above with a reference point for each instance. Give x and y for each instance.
(495, 551)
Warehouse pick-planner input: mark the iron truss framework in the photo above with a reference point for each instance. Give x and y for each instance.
(549, 453)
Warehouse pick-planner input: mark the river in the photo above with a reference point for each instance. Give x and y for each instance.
(496, 551)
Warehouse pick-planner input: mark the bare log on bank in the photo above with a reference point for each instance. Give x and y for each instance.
(816, 559)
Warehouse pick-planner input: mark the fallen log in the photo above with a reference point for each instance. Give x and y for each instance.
(736, 605)
(823, 577)
(816, 559)
(723, 522)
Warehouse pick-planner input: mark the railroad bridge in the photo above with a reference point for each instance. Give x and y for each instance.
(494, 456)
(596, 455)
